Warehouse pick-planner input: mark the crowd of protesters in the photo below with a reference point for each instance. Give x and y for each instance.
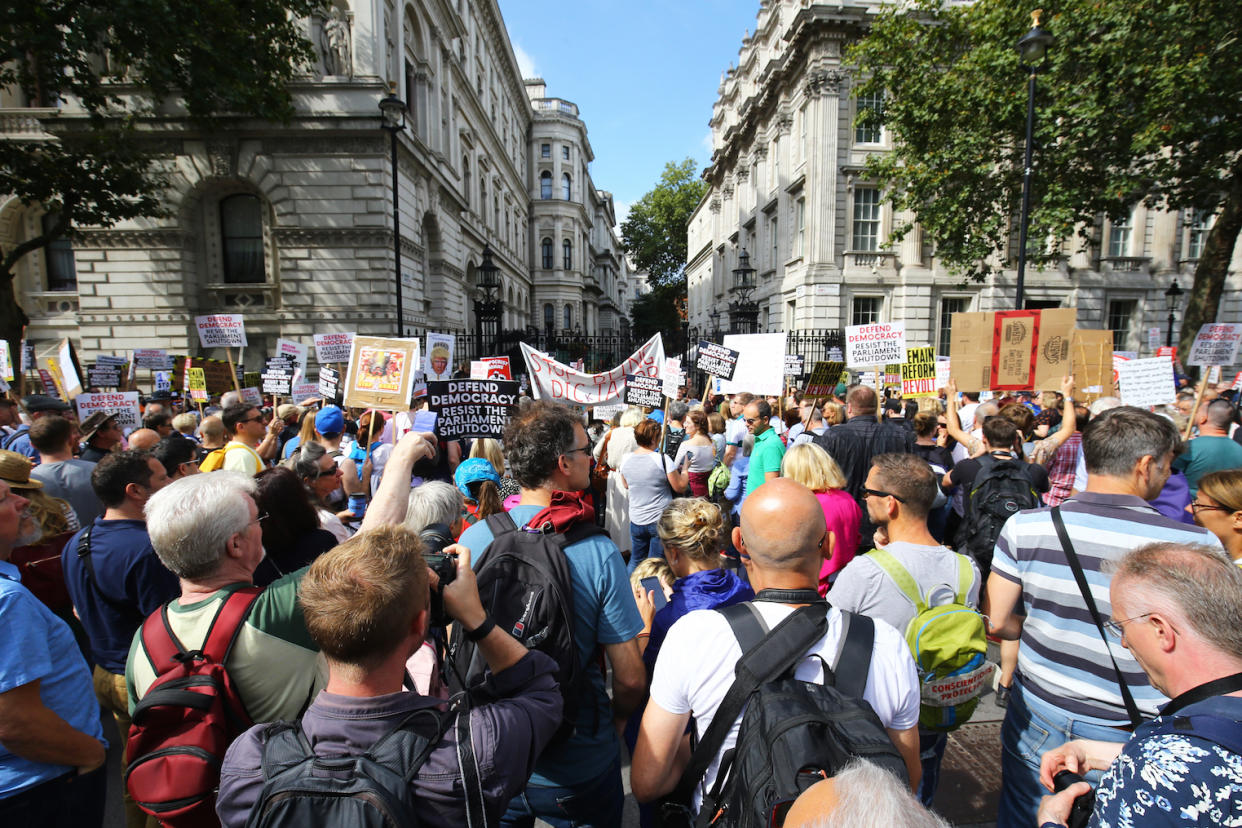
(775, 503)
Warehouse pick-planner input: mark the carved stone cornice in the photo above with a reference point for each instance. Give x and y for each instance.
(743, 170)
(332, 237)
(408, 245)
(440, 267)
(164, 237)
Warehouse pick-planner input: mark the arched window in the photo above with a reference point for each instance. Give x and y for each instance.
(565, 186)
(569, 317)
(567, 250)
(547, 255)
(241, 239)
(61, 272)
(549, 316)
(545, 185)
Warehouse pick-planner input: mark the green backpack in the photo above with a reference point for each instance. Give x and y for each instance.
(718, 480)
(949, 644)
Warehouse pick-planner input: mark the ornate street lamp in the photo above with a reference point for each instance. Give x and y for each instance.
(1173, 294)
(1033, 51)
(392, 114)
(487, 305)
(715, 317)
(743, 311)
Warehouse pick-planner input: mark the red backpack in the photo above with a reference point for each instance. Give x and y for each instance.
(187, 719)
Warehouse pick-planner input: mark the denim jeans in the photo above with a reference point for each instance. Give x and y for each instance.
(645, 543)
(597, 803)
(1031, 728)
(931, 755)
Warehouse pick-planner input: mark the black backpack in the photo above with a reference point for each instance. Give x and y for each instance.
(526, 588)
(356, 791)
(999, 492)
(794, 733)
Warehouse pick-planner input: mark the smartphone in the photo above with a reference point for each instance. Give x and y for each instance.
(653, 584)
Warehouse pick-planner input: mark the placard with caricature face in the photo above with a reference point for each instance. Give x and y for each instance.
(381, 372)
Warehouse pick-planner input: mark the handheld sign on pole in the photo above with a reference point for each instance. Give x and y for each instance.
(824, 379)
(472, 409)
(329, 382)
(333, 347)
(877, 344)
(381, 373)
(124, 404)
(794, 365)
(223, 330)
(1146, 382)
(717, 360)
(1215, 344)
(918, 373)
(643, 391)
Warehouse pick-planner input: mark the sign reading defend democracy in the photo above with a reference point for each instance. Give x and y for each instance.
(221, 330)
(644, 390)
(124, 404)
(876, 344)
(794, 365)
(333, 347)
(918, 373)
(716, 360)
(468, 408)
(1215, 344)
(556, 381)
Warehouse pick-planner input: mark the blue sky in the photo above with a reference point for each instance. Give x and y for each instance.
(643, 73)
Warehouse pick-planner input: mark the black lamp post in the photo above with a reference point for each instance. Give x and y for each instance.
(1033, 50)
(715, 317)
(743, 311)
(488, 305)
(392, 112)
(1173, 294)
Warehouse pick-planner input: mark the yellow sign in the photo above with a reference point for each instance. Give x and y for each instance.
(197, 379)
(918, 374)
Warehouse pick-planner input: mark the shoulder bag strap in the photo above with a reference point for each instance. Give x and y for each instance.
(964, 577)
(854, 658)
(467, 761)
(900, 575)
(84, 555)
(500, 523)
(1085, 589)
(228, 622)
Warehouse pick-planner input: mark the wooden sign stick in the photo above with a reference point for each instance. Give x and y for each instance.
(1194, 412)
(228, 352)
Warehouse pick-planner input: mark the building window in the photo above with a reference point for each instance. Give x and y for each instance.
(547, 255)
(1121, 320)
(567, 250)
(865, 310)
(566, 186)
(870, 133)
(545, 185)
(1200, 223)
(949, 306)
(565, 152)
(569, 315)
(549, 316)
(800, 216)
(465, 174)
(61, 272)
(775, 237)
(866, 219)
(241, 237)
(545, 150)
(1119, 237)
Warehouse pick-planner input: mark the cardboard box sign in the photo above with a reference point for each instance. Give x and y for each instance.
(1091, 353)
(219, 379)
(1011, 350)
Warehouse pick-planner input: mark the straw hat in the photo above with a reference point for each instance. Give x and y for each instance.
(15, 470)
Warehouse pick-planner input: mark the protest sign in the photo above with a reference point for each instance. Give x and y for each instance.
(716, 360)
(69, 368)
(221, 330)
(333, 347)
(672, 376)
(439, 360)
(1014, 350)
(918, 373)
(478, 369)
(153, 359)
(607, 412)
(824, 379)
(835, 354)
(794, 365)
(1091, 361)
(892, 374)
(876, 344)
(278, 376)
(943, 372)
(1213, 376)
(1145, 382)
(381, 373)
(28, 357)
(6, 362)
(497, 367)
(111, 361)
(49, 384)
(556, 381)
(304, 391)
(471, 408)
(329, 382)
(759, 358)
(1237, 382)
(219, 374)
(124, 404)
(1215, 344)
(644, 390)
(251, 396)
(196, 379)
(103, 376)
(295, 350)
(1153, 338)
(163, 380)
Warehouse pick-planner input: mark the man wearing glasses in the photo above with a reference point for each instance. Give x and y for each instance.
(245, 423)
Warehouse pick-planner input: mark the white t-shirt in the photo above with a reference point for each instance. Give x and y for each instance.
(242, 458)
(735, 431)
(695, 670)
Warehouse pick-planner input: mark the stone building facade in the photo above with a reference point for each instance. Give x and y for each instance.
(787, 185)
(292, 224)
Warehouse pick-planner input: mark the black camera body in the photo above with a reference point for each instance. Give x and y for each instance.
(435, 538)
(1080, 814)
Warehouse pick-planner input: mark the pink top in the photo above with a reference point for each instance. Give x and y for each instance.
(842, 515)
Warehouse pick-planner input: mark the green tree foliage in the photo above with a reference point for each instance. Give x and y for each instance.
(115, 62)
(1138, 101)
(654, 234)
(656, 311)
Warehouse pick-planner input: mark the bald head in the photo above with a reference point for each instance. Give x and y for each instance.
(143, 438)
(782, 526)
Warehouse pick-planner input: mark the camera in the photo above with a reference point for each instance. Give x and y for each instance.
(1080, 814)
(435, 538)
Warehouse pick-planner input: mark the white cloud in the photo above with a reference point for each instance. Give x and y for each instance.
(526, 64)
(707, 142)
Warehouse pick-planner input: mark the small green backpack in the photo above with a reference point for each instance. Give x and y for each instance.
(949, 644)
(718, 480)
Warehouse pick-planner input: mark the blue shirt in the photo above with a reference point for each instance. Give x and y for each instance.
(709, 589)
(605, 613)
(126, 570)
(38, 646)
(21, 445)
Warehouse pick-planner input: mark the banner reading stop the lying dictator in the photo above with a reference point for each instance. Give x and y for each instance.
(552, 380)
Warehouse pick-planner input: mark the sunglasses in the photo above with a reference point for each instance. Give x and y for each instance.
(878, 493)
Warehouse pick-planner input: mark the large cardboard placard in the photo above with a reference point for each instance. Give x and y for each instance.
(468, 408)
(381, 373)
(1091, 360)
(824, 379)
(556, 381)
(876, 344)
(333, 347)
(644, 390)
(124, 404)
(217, 371)
(918, 373)
(716, 360)
(1026, 356)
(1145, 382)
(439, 359)
(759, 356)
(1215, 344)
(221, 330)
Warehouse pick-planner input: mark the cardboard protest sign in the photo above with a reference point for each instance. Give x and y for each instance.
(197, 380)
(124, 404)
(103, 376)
(329, 382)
(333, 347)
(875, 344)
(1091, 353)
(381, 373)
(6, 361)
(295, 350)
(439, 360)
(251, 396)
(69, 368)
(219, 374)
(892, 374)
(1011, 352)
(153, 359)
(556, 381)
(221, 330)
(918, 373)
(759, 356)
(716, 360)
(794, 365)
(471, 408)
(644, 390)
(1215, 344)
(497, 367)
(1145, 382)
(824, 379)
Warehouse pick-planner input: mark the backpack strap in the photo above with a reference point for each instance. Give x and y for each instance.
(853, 662)
(84, 555)
(900, 575)
(227, 624)
(747, 624)
(501, 524)
(964, 577)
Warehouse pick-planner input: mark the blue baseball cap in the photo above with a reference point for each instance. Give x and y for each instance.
(472, 471)
(330, 420)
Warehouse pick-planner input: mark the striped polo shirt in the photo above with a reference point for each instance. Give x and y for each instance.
(1063, 659)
